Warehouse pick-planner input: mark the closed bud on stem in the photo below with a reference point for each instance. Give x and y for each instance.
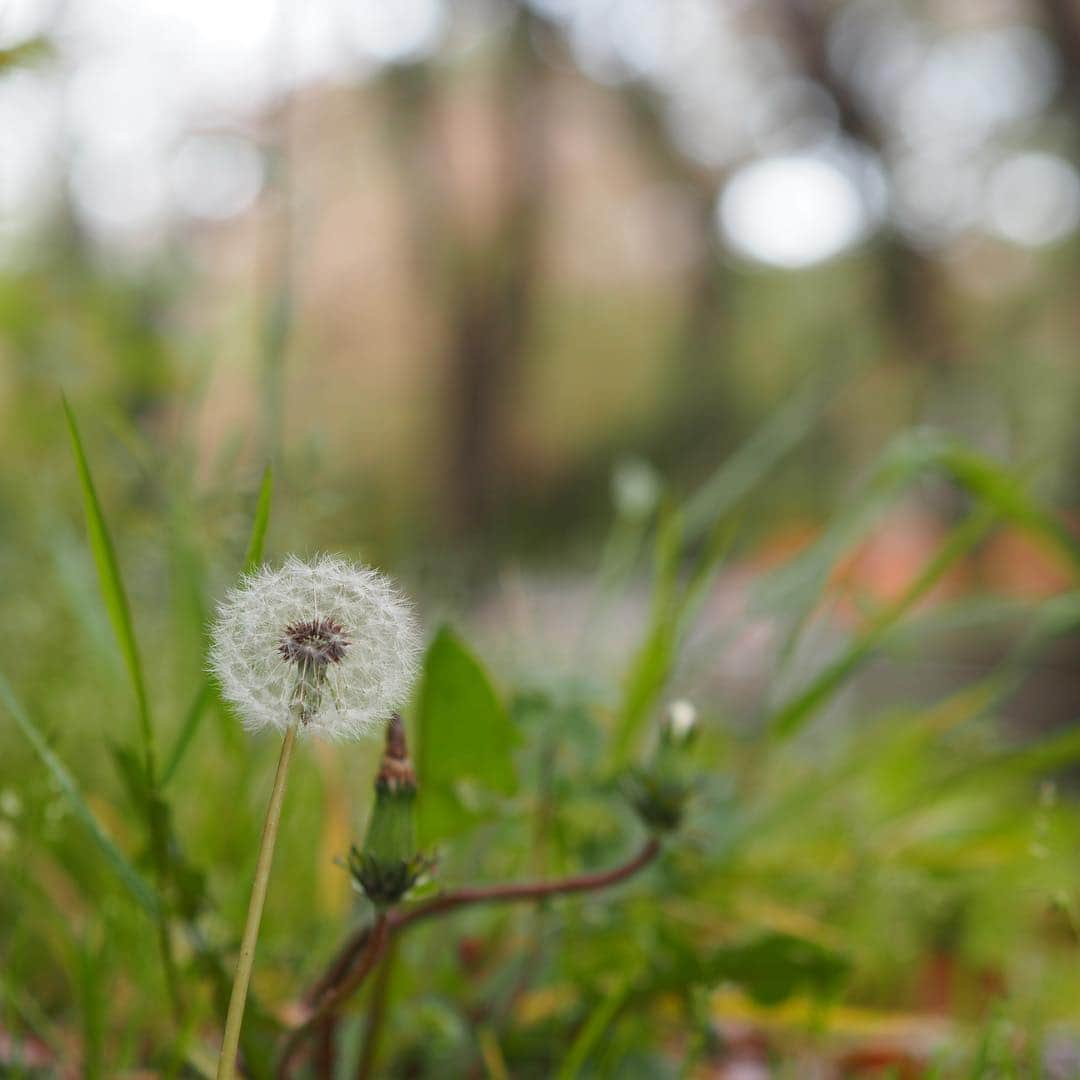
(660, 790)
(389, 865)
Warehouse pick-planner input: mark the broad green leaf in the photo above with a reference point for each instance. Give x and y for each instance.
(112, 587)
(205, 694)
(464, 738)
(143, 893)
(775, 966)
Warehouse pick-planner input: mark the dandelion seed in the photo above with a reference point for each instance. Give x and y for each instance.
(327, 642)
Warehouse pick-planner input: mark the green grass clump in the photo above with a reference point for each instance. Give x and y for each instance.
(821, 862)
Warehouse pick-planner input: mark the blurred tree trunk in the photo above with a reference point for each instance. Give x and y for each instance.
(493, 296)
(481, 283)
(699, 410)
(914, 288)
(1062, 21)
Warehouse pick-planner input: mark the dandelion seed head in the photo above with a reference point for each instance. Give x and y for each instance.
(327, 640)
(314, 642)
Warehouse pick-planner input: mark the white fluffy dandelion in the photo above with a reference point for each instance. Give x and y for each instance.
(326, 646)
(328, 643)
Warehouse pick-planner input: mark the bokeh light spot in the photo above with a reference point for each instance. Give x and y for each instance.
(396, 32)
(791, 211)
(215, 176)
(1033, 199)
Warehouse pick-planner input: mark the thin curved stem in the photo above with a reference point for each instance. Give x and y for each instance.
(380, 1001)
(530, 890)
(375, 943)
(235, 1017)
(356, 958)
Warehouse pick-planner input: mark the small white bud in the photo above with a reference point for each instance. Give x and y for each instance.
(328, 642)
(10, 803)
(682, 719)
(635, 488)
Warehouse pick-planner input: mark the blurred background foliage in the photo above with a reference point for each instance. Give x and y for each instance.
(495, 288)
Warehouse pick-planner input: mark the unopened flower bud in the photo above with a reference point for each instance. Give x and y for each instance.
(660, 790)
(681, 720)
(659, 798)
(389, 865)
(635, 488)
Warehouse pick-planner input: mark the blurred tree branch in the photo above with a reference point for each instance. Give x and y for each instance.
(914, 287)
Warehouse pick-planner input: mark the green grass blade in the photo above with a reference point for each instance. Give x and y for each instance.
(192, 719)
(674, 612)
(112, 587)
(744, 470)
(910, 457)
(143, 893)
(595, 1028)
(197, 709)
(655, 657)
(1000, 488)
(262, 520)
(792, 715)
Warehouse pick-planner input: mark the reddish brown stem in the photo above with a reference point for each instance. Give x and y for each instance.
(528, 890)
(375, 943)
(360, 952)
(380, 998)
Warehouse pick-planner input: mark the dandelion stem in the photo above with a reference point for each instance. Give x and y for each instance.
(235, 1017)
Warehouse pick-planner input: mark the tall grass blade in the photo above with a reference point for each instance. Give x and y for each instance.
(791, 716)
(595, 1028)
(112, 588)
(673, 613)
(1000, 488)
(192, 719)
(906, 460)
(259, 526)
(651, 667)
(205, 694)
(744, 470)
(143, 893)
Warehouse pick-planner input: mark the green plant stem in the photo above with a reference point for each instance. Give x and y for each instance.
(235, 1018)
(597, 1025)
(168, 962)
